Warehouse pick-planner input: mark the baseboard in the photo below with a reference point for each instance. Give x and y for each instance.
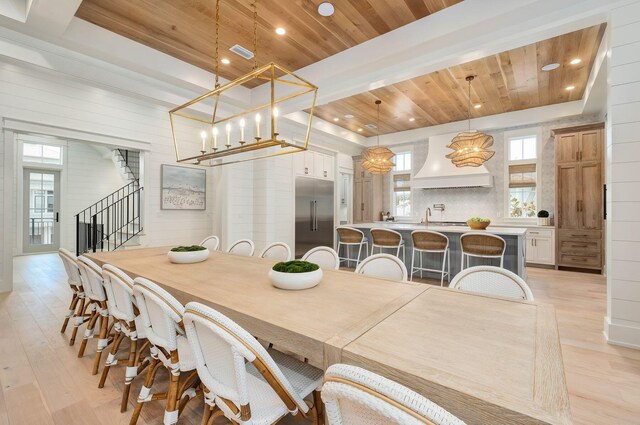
(624, 336)
(541, 266)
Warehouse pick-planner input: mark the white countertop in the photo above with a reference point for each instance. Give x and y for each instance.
(504, 231)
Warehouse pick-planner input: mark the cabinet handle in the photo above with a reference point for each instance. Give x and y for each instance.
(534, 233)
(577, 206)
(362, 207)
(325, 174)
(306, 170)
(361, 173)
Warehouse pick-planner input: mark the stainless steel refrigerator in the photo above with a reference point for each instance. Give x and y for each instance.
(314, 214)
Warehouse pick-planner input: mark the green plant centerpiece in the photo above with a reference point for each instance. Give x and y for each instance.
(295, 275)
(188, 254)
(478, 223)
(190, 248)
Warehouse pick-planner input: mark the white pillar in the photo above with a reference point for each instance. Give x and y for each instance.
(622, 324)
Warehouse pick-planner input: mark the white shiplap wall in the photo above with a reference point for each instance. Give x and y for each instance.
(622, 324)
(43, 97)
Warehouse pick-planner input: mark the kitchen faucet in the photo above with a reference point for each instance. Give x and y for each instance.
(427, 214)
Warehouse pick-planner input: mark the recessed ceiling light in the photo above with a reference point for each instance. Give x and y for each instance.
(348, 116)
(477, 105)
(281, 31)
(336, 119)
(550, 66)
(225, 61)
(326, 9)
(412, 119)
(570, 88)
(575, 61)
(359, 130)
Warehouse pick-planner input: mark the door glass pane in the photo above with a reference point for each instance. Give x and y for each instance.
(41, 206)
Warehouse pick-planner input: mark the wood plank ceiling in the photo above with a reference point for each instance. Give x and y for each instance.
(185, 29)
(505, 82)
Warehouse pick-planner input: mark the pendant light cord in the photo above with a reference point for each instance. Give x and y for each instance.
(217, 57)
(255, 34)
(469, 79)
(378, 102)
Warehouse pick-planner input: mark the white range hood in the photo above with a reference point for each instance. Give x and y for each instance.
(438, 172)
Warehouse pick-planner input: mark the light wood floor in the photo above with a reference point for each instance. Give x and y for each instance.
(43, 382)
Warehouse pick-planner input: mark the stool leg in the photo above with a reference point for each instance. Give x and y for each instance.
(444, 260)
(359, 252)
(449, 265)
(413, 256)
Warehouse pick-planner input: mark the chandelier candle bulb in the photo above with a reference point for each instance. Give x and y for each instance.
(258, 118)
(214, 132)
(275, 120)
(228, 145)
(242, 124)
(204, 141)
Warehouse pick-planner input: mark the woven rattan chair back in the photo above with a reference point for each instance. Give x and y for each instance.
(355, 396)
(350, 235)
(91, 276)
(279, 251)
(324, 256)
(242, 247)
(221, 349)
(69, 261)
(384, 266)
(482, 244)
(492, 281)
(427, 240)
(160, 312)
(119, 289)
(212, 243)
(385, 237)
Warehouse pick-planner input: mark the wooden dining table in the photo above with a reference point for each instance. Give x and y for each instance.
(485, 359)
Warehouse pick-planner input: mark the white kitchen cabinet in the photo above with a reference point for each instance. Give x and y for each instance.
(541, 246)
(314, 164)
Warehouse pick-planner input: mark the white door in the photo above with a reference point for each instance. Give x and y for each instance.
(41, 205)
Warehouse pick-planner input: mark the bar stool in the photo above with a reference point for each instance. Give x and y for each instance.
(430, 241)
(352, 237)
(385, 239)
(482, 245)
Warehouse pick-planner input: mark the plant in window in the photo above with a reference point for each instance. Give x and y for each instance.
(516, 209)
(529, 208)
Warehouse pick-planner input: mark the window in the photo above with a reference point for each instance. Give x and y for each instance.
(522, 175)
(42, 154)
(401, 191)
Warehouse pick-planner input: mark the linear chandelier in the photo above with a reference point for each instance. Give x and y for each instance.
(201, 136)
(470, 148)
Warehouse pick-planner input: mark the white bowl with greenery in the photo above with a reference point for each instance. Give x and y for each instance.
(188, 254)
(478, 223)
(295, 275)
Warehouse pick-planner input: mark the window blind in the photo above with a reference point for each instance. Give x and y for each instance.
(401, 182)
(522, 175)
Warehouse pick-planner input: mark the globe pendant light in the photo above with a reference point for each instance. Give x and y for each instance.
(470, 148)
(378, 159)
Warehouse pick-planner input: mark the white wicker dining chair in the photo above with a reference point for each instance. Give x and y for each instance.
(247, 383)
(161, 316)
(91, 276)
(355, 396)
(324, 256)
(492, 280)
(212, 243)
(242, 247)
(78, 298)
(277, 251)
(127, 324)
(385, 266)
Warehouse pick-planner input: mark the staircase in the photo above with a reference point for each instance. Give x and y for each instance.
(115, 220)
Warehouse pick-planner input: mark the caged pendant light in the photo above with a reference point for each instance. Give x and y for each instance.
(470, 148)
(378, 159)
(202, 135)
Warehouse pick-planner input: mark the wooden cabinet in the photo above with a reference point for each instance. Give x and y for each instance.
(540, 246)
(579, 196)
(314, 164)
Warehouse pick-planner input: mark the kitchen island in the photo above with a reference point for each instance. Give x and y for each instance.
(514, 255)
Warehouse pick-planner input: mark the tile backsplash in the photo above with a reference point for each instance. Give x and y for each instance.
(462, 203)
